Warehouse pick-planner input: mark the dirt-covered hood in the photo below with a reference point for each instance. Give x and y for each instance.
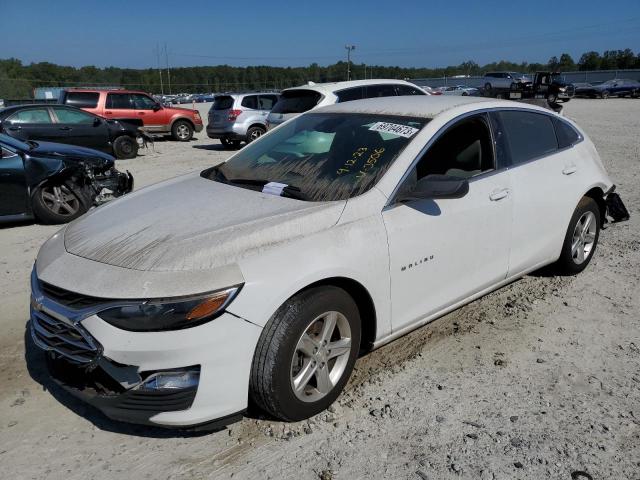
(192, 223)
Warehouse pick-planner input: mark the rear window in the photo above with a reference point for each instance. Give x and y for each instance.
(82, 99)
(296, 101)
(529, 135)
(223, 102)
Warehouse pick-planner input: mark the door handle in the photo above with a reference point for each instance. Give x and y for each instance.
(568, 170)
(65, 128)
(107, 112)
(140, 113)
(15, 129)
(498, 194)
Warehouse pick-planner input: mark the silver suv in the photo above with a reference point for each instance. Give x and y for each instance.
(234, 118)
(503, 79)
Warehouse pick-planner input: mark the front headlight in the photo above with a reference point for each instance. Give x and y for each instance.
(169, 314)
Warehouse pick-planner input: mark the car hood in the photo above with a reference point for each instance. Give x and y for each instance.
(98, 160)
(191, 223)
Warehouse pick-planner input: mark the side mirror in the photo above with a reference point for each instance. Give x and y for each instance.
(157, 107)
(97, 121)
(437, 186)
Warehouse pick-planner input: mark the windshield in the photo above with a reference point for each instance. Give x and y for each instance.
(296, 101)
(320, 156)
(223, 102)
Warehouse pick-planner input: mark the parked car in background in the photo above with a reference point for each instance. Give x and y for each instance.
(294, 101)
(55, 183)
(236, 118)
(138, 108)
(64, 124)
(493, 80)
(619, 87)
(461, 90)
(313, 244)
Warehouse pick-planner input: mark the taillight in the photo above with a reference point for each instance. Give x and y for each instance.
(197, 116)
(233, 114)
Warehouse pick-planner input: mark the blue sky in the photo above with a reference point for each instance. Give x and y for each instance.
(405, 33)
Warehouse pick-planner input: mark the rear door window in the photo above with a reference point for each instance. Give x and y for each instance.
(349, 94)
(119, 101)
(250, 101)
(296, 101)
(82, 99)
(31, 115)
(529, 135)
(223, 102)
(375, 91)
(567, 136)
(77, 117)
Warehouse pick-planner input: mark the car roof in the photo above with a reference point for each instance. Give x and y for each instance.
(100, 90)
(428, 106)
(337, 86)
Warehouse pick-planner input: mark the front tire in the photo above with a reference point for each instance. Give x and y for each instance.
(182, 131)
(581, 238)
(125, 147)
(604, 95)
(56, 203)
(306, 353)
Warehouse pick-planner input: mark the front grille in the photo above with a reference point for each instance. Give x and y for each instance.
(69, 299)
(70, 341)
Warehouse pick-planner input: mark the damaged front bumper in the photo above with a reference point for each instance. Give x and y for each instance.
(616, 209)
(111, 184)
(191, 378)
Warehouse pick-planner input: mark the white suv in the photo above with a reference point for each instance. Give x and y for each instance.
(294, 101)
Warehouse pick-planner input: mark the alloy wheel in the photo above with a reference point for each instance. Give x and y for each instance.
(321, 356)
(60, 200)
(182, 131)
(584, 237)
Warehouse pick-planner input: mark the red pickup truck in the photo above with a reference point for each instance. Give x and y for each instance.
(136, 107)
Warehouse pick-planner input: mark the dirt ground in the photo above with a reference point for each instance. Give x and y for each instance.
(540, 379)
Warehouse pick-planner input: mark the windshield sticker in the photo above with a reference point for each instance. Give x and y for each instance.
(274, 188)
(394, 128)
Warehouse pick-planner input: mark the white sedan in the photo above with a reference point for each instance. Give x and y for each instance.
(265, 277)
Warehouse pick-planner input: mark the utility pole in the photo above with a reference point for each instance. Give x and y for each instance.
(166, 58)
(159, 69)
(349, 48)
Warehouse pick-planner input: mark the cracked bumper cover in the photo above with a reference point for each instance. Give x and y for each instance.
(223, 349)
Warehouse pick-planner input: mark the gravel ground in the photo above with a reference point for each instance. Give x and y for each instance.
(537, 380)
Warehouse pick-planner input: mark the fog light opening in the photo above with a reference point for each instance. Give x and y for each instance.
(176, 380)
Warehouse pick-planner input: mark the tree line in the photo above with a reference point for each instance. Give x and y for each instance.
(18, 80)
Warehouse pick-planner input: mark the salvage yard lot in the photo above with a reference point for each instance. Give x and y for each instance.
(537, 380)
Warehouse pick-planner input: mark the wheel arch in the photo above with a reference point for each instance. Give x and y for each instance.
(363, 300)
(186, 119)
(257, 124)
(597, 194)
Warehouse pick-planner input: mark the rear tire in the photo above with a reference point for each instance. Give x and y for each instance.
(604, 95)
(55, 203)
(581, 238)
(254, 133)
(297, 371)
(125, 147)
(182, 131)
